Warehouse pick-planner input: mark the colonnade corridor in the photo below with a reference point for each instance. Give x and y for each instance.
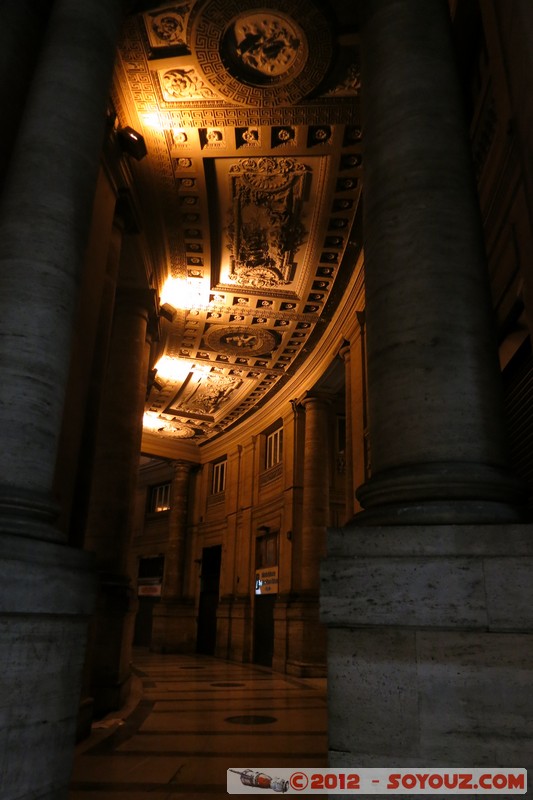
(189, 719)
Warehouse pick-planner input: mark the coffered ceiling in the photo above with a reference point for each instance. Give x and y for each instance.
(248, 193)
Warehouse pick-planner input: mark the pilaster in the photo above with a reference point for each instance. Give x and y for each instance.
(174, 625)
(111, 512)
(306, 636)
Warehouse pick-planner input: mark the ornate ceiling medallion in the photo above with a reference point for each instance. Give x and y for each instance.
(179, 431)
(237, 340)
(256, 54)
(266, 47)
(170, 427)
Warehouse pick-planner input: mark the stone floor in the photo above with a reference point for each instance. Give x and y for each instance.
(192, 717)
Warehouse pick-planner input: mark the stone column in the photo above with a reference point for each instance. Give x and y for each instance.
(47, 588)
(435, 413)
(88, 363)
(98, 333)
(429, 624)
(228, 585)
(315, 512)
(78, 515)
(349, 455)
(307, 636)
(241, 639)
(111, 509)
(20, 20)
(174, 627)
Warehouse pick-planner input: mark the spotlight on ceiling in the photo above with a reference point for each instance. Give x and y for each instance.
(167, 311)
(132, 143)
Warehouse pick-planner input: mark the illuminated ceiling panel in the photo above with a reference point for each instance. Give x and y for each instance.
(251, 185)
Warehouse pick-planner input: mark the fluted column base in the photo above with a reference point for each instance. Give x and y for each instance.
(48, 592)
(430, 645)
(174, 626)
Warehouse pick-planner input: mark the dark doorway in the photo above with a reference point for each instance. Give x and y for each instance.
(142, 636)
(266, 588)
(149, 583)
(264, 629)
(207, 610)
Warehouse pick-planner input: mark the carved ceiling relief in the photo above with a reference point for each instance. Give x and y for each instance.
(189, 406)
(239, 340)
(254, 156)
(266, 228)
(260, 56)
(167, 27)
(267, 44)
(184, 84)
(350, 83)
(204, 393)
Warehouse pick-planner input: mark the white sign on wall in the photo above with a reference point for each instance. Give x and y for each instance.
(266, 580)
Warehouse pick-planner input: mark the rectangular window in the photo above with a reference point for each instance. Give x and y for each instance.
(274, 448)
(218, 482)
(160, 498)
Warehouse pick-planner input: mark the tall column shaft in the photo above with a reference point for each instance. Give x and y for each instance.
(429, 623)
(435, 415)
(87, 363)
(177, 531)
(20, 20)
(44, 219)
(47, 588)
(345, 354)
(315, 512)
(111, 509)
(306, 636)
(116, 460)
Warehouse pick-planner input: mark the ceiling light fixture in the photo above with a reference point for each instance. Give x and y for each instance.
(168, 312)
(132, 143)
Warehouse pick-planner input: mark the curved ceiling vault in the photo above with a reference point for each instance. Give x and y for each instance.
(249, 193)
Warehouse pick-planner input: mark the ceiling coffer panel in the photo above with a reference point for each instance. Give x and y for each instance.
(167, 27)
(266, 220)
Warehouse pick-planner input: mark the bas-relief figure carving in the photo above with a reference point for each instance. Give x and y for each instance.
(234, 340)
(178, 431)
(241, 340)
(350, 84)
(167, 25)
(208, 393)
(266, 43)
(184, 84)
(266, 229)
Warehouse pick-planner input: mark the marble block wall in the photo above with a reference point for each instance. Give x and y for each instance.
(430, 645)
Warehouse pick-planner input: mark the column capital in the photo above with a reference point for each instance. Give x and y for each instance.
(345, 351)
(182, 466)
(316, 398)
(142, 300)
